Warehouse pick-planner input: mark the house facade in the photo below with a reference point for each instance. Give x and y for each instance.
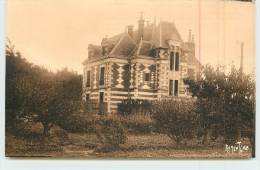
(148, 63)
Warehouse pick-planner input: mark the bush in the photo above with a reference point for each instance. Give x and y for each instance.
(88, 106)
(131, 106)
(176, 118)
(137, 123)
(77, 124)
(110, 133)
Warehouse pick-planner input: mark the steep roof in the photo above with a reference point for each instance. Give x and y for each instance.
(153, 36)
(144, 48)
(124, 46)
(163, 32)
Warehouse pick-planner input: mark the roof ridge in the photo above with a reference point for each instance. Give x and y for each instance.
(139, 46)
(117, 44)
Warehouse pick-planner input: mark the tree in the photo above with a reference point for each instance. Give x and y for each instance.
(56, 97)
(35, 94)
(230, 96)
(176, 118)
(18, 84)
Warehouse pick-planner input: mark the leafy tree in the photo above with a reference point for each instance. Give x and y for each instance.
(176, 118)
(18, 84)
(229, 97)
(36, 94)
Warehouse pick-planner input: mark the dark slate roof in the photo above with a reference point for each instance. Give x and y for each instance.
(97, 50)
(154, 36)
(144, 48)
(124, 46)
(163, 32)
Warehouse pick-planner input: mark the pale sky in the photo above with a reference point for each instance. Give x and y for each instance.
(56, 33)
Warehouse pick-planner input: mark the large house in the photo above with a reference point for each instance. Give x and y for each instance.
(147, 63)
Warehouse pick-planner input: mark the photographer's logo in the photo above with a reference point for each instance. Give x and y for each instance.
(238, 147)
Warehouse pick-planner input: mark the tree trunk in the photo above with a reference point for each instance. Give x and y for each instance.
(238, 127)
(46, 129)
(205, 136)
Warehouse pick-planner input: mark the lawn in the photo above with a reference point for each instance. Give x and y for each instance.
(151, 146)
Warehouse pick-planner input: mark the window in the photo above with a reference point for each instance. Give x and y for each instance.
(177, 62)
(102, 76)
(101, 97)
(176, 87)
(171, 60)
(146, 76)
(88, 79)
(87, 97)
(170, 87)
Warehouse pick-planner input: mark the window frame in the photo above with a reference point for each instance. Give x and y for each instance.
(88, 79)
(177, 62)
(172, 60)
(176, 89)
(103, 97)
(146, 74)
(171, 88)
(87, 98)
(102, 80)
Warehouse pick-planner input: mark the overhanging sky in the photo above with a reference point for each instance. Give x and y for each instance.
(56, 33)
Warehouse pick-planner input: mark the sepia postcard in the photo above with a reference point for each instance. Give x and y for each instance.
(130, 79)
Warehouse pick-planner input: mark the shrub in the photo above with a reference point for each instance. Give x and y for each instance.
(77, 124)
(88, 106)
(137, 123)
(110, 133)
(176, 118)
(131, 106)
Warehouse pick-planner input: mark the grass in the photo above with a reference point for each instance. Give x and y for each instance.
(143, 146)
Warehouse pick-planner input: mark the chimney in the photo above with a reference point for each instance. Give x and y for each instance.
(130, 30)
(140, 26)
(192, 38)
